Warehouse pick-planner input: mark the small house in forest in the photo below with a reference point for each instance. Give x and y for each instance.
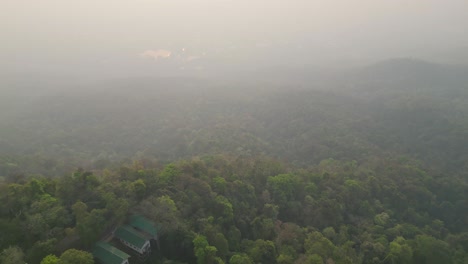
(144, 225)
(133, 239)
(107, 254)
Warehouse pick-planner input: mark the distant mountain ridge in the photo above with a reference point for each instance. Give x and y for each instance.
(404, 67)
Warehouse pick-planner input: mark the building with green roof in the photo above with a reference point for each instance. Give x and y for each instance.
(144, 225)
(133, 239)
(107, 254)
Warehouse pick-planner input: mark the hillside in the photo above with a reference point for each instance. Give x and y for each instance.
(361, 166)
(382, 113)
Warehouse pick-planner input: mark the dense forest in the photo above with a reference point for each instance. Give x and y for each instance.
(368, 165)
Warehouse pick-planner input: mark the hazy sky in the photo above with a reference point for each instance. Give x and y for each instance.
(105, 33)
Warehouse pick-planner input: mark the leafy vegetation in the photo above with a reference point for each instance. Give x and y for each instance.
(373, 173)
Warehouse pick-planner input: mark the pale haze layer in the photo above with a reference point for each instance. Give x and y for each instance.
(129, 36)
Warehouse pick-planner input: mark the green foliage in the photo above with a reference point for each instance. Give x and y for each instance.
(205, 253)
(50, 259)
(139, 188)
(14, 235)
(431, 250)
(74, 256)
(223, 208)
(240, 259)
(275, 218)
(283, 187)
(316, 243)
(315, 259)
(239, 218)
(169, 173)
(12, 255)
(284, 259)
(221, 244)
(329, 233)
(219, 184)
(379, 168)
(41, 249)
(161, 209)
(381, 219)
(399, 252)
(263, 251)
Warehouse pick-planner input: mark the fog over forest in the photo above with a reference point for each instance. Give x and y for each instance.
(239, 131)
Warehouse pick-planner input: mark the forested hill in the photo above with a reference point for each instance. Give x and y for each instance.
(366, 165)
(223, 209)
(372, 111)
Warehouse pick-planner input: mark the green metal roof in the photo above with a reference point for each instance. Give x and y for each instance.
(108, 254)
(143, 224)
(130, 235)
